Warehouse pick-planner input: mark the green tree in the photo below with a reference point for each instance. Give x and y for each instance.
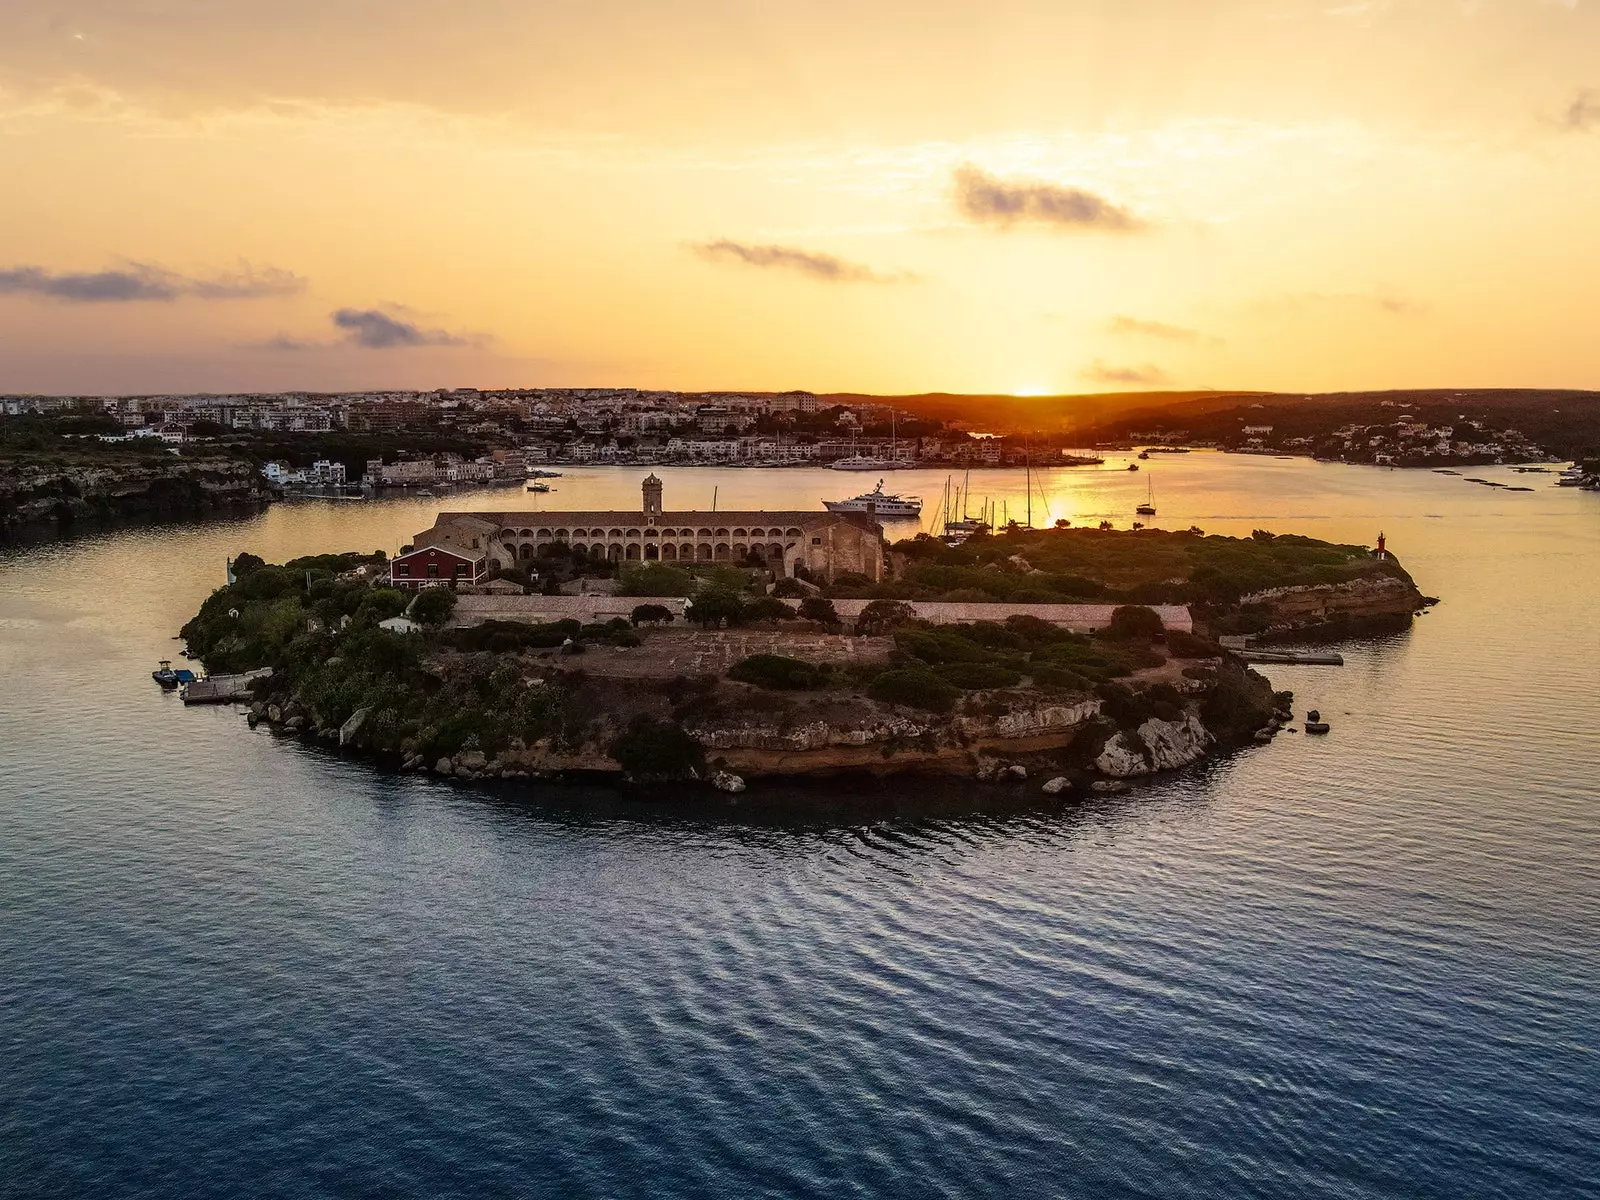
(881, 616)
(654, 579)
(651, 614)
(1134, 623)
(821, 610)
(712, 606)
(433, 606)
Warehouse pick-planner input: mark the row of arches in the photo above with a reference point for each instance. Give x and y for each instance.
(574, 535)
(664, 552)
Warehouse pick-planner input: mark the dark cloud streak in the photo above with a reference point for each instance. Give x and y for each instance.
(1583, 114)
(375, 329)
(1101, 372)
(811, 263)
(138, 281)
(987, 200)
(1134, 327)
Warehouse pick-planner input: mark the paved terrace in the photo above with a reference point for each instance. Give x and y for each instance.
(1080, 618)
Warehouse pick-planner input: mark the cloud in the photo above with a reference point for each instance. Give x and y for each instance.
(984, 199)
(135, 281)
(787, 258)
(377, 329)
(1102, 372)
(282, 344)
(1300, 302)
(1134, 327)
(1583, 114)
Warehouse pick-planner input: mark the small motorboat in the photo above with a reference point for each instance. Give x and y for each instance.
(1315, 723)
(165, 675)
(1133, 466)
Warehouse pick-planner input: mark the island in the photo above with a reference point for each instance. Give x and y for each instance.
(1074, 658)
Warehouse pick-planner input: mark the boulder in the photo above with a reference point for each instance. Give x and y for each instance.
(1016, 771)
(295, 723)
(1111, 786)
(350, 728)
(727, 781)
(471, 760)
(444, 766)
(1057, 785)
(274, 713)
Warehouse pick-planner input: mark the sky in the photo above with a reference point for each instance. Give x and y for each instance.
(1025, 196)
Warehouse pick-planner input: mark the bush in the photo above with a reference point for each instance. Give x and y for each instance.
(651, 614)
(819, 609)
(433, 606)
(915, 688)
(972, 676)
(658, 750)
(1061, 677)
(881, 616)
(766, 608)
(246, 564)
(777, 673)
(789, 589)
(1187, 645)
(1134, 623)
(654, 579)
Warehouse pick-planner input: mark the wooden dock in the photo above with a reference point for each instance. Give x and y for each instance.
(223, 689)
(1303, 658)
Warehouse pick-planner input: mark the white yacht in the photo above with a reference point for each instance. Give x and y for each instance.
(879, 503)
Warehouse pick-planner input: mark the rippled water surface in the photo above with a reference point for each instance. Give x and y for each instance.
(1359, 966)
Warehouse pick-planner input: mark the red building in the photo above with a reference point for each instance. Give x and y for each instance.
(432, 566)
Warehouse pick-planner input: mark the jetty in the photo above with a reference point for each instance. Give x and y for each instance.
(223, 689)
(1304, 658)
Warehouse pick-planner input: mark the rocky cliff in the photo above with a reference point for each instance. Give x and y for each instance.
(1367, 604)
(46, 497)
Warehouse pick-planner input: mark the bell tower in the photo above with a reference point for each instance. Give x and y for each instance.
(652, 498)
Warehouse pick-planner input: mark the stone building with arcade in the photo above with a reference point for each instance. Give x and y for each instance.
(466, 547)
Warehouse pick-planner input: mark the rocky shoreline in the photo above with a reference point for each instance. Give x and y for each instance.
(46, 499)
(982, 692)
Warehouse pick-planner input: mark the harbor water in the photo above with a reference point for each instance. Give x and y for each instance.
(1363, 965)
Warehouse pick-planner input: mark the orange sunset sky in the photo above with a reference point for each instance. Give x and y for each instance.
(890, 196)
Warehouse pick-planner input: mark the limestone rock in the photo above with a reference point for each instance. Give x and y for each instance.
(471, 760)
(350, 728)
(727, 781)
(1016, 771)
(1057, 785)
(444, 766)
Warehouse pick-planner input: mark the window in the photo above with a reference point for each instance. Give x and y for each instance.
(402, 569)
(433, 570)
(816, 541)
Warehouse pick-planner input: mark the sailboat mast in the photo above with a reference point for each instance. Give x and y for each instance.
(1027, 467)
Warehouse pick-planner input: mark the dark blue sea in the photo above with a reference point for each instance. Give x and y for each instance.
(1360, 966)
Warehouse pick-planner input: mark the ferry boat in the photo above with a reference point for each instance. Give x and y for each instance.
(879, 503)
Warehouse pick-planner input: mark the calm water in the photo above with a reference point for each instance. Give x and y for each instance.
(1353, 967)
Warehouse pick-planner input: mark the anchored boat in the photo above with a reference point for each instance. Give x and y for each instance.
(879, 503)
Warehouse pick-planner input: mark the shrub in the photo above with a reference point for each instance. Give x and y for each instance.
(433, 606)
(654, 579)
(819, 609)
(972, 676)
(247, 564)
(916, 688)
(777, 673)
(655, 750)
(766, 608)
(1134, 623)
(1061, 677)
(881, 616)
(1187, 645)
(789, 589)
(651, 614)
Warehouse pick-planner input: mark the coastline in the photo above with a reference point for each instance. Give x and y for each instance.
(975, 690)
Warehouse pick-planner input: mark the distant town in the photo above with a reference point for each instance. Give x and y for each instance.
(467, 435)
